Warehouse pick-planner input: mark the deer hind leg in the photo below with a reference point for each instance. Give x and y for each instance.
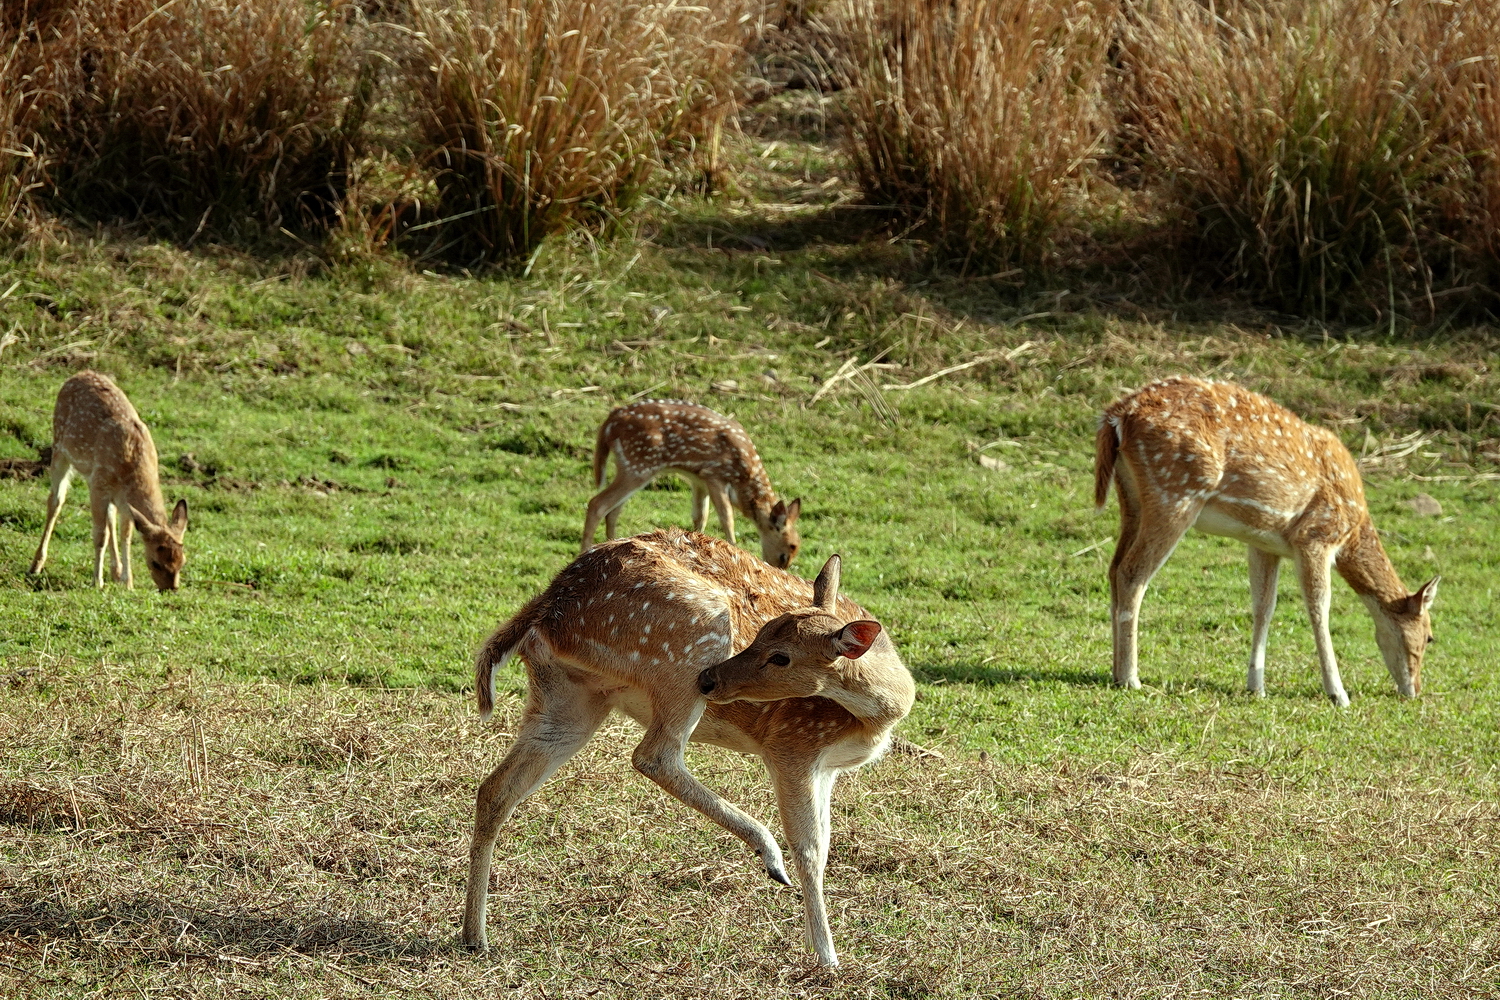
(1147, 537)
(102, 511)
(659, 757)
(1312, 572)
(1264, 569)
(124, 527)
(606, 506)
(560, 718)
(61, 473)
(804, 799)
(720, 497)
(700, 505)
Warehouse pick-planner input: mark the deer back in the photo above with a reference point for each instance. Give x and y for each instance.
(1188, 439)
(672, 434)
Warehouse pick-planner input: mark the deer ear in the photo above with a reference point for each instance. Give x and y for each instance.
(179, 517)
(855, 639)
(143, 524)
(793, 511)
(826, 586)
(1425, 594)
(777, 520)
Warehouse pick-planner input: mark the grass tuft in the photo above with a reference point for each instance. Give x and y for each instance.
(974, 117)
(538, 116)
(1310, 145)
(204, 114)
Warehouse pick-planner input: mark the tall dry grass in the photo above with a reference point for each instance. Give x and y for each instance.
(1472, 50)
(974, 116)
(206, 113)
(538, 115)
(15, 158)
(1310, 146)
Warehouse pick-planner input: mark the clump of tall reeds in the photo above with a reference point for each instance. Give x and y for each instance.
(15, 158)
(974, 116)
(204, 113)
(538, 115)
(1471, 43)
(1309, 145)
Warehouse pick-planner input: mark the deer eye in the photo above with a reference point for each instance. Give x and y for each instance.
(779, 659)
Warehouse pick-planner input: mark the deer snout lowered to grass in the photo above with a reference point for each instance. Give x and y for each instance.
(97, 434)
(650, 625)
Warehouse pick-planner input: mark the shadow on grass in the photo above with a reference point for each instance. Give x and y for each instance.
(783, 229)
(996, 675)
(177, 930)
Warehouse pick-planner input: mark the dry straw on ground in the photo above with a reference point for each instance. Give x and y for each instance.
(227, 839)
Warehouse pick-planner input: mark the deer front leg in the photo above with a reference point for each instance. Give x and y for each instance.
(720, 498)
(123, 528)
(559, 720)
(1264, 569)
(659, 757)
(1312, 568)
(804, 796)
(116, 525)
(62, 475)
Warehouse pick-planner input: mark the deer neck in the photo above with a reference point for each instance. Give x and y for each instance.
(1367, 569)
(753, 495)
(877, 689)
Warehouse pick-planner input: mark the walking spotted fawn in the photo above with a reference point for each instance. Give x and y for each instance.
(650, 625)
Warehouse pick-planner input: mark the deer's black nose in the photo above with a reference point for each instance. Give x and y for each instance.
(706, 682)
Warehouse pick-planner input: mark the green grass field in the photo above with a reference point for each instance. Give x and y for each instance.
(260, 785)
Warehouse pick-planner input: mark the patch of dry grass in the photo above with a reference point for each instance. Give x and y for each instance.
(1323, 153)
(974, 117)
(539, 115)
(202, 113)
(223, 839)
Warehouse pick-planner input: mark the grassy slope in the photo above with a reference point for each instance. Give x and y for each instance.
(385, 463)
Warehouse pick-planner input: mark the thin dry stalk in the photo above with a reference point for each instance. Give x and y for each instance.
(545, 114)
(976, 116)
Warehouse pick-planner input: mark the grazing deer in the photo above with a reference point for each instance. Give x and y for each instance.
(711, 450)
(1187, 453)
(648, 625)
(96, 433)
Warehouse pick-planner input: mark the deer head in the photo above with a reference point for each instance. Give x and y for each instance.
(778, 535)
(795, 655)
(1403, 630)
(163, 543)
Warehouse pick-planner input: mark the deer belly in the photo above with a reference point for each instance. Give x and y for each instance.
(1215, 519)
